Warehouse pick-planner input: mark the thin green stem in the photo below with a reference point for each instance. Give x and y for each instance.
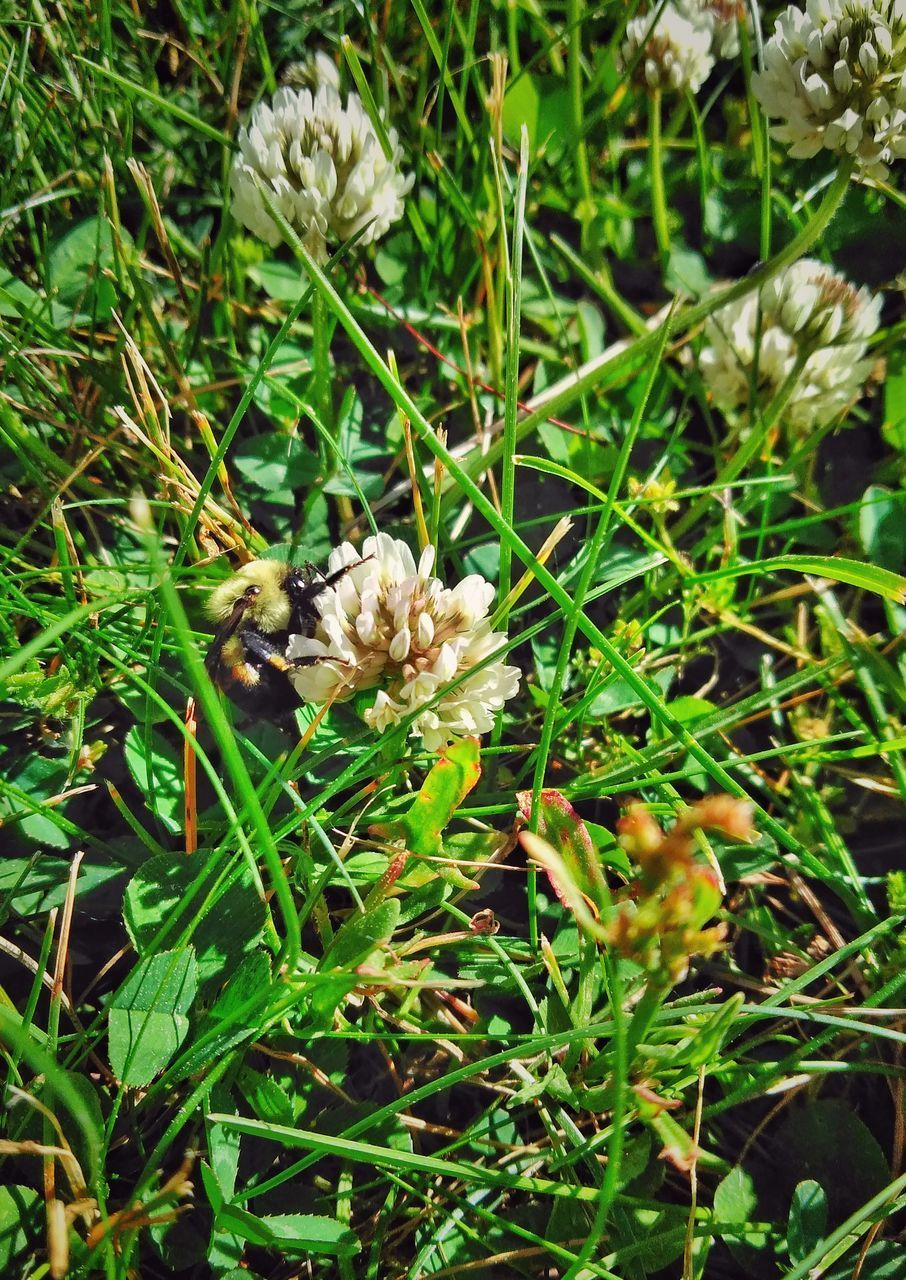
(750, 447)
(511, 404)
(619, 1045)
(213, 712)
(610, 364)
(595, 551)
(323, 398)
(646, 693)
(656, 172)
(586, 196)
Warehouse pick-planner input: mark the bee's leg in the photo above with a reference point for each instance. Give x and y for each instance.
(320, 581)
(332, 578)
(266, 651)
(311, 660)
(269, 653)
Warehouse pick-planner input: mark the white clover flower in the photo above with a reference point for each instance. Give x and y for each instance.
(835, 75)
(720, 18)
(388, 625)
(675, 55)
(810, 311)
(312, 71)
(322, 165)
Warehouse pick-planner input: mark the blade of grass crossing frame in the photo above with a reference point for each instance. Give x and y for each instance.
(511, 402)
(647, 694)
(416, 220)
(208, 700)
(600, 538)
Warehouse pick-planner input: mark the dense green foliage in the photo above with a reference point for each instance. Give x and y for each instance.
(396, 1041)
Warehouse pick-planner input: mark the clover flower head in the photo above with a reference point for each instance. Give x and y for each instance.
(321, 164)
(388, 625)
(675, 53)
(312, 71)
(721, 19)
(835, 75)
(806, 313)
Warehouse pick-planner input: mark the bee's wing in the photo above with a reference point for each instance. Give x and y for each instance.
(224, 631)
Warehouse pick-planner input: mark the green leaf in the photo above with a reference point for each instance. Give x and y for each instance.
(738, 860)
(172, 890)
(658, 1236)
(292, 1233)
(735, 1200)
(37, 779)
(855, 573)
(276, 463)
(360, 935)
(79, 264)
(690, 708)
(19, 1210)
(282, 281)
(707, 1034)
(808, 1219)
(813, 1140)
(223, 1150)
(229, 1021)
(357, 445)
(561, 827)
(17, 300)
(157, 773)
(894, 426)
(451, 779)
(147, 1019)
(352, 946)
(618, 696)
(884, 1260)
(542, 104)
(735, 1203)
(266, 1098)
(882, 526)
(687, 273)
(392, 260)
(38, 884)
(545, 651)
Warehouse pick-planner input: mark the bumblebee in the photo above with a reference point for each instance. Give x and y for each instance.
(256, 612)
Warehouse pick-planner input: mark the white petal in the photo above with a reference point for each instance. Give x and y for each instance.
(425, 631)
(400, 645)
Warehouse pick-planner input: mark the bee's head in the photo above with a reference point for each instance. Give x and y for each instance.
(265, 585)
(299, 587)
(303, 586)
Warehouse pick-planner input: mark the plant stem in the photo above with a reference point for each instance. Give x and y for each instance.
(598, 543)
(750, 447)
(621, 1065)
(558, 398)
(586, 197)
(656, 169)
(320, 320)
(323, 392)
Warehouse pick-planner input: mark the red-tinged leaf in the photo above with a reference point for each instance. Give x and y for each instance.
(560, 825)
(562, 881)
(451, 779)
(678, 1148)
(652, 1104)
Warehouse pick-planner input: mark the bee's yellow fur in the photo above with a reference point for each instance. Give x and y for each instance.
(271, 608)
